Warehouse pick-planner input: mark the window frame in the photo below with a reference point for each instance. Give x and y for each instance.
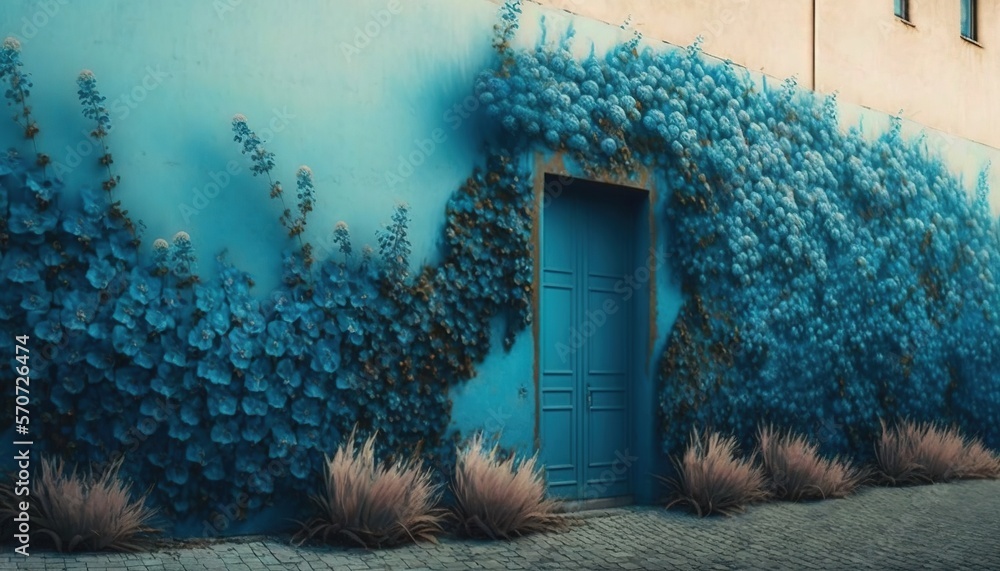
(971, 32)
(901, 8)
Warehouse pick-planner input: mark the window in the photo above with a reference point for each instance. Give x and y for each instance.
(969, 19)
(902, 9)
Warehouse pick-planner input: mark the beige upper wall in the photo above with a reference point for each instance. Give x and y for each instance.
(744, 31)
(937, 78)
(862, 50)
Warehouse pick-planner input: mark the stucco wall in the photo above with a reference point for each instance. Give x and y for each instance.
(862, 51)
(351, 89)
(927, 70)
(745, 31)
(358, 91)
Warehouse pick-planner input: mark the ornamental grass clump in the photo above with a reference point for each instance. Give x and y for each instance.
(371, 503)
(713, 478)
(93, 512)
(501, 498)
(921, 453)
(796, 471)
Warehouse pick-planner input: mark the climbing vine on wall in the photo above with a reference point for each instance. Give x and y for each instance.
(215, 392)
(831, 280)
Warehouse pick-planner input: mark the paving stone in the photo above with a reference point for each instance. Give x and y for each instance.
(951, 526)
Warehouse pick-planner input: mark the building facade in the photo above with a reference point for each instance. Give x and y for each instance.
(581, 242)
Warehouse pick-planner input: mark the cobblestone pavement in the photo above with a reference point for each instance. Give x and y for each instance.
(945, 526)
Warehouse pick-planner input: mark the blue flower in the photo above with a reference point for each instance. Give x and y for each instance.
(201, 335)
(219, 319)
(162, 383)
(310, 323)
(52, 257)
(221, 403)
(95, 201)
(100, 330)
(10, 302)
(215, 370)
(207, 298)
(79, 309)
(191, 412)
(279, 333)
(257, 375)
(225, 432)
(177, 473)
(126, 311)
(127, 341)
(172, 300)
(100, 358)
(306, 194)
(70, 379)
(36, 298)
(143, 288)
(213, 469)
(609, 146)
(306, 411)
(283, 440)
(84, 433)
(20, 266)
(100, 273)
(346, 381)
(326, 355)
(276, 396)
(159, 320)
(263, 161)
(130, 380)
(148, 426)
(253, 322)
(149, 355)
(247, 463)
(254, 405)
(307, 436)
(241, 349)
(182, 258)
(300, 466)
(261, 482)
(25, 219)
(234, 282)
(255, 429)
(314, 388)
(123, 244)
(93, 101)
(289, 373)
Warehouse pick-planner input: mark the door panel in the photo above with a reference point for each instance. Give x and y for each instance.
(559, 386)
(585, 339)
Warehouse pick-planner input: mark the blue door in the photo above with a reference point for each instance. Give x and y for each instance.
(585, 344)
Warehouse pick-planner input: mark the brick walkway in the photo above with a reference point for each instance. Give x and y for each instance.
(946, 526)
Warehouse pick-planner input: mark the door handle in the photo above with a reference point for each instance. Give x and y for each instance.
(590, 397)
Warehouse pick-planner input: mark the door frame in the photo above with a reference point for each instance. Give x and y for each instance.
(644, 435)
